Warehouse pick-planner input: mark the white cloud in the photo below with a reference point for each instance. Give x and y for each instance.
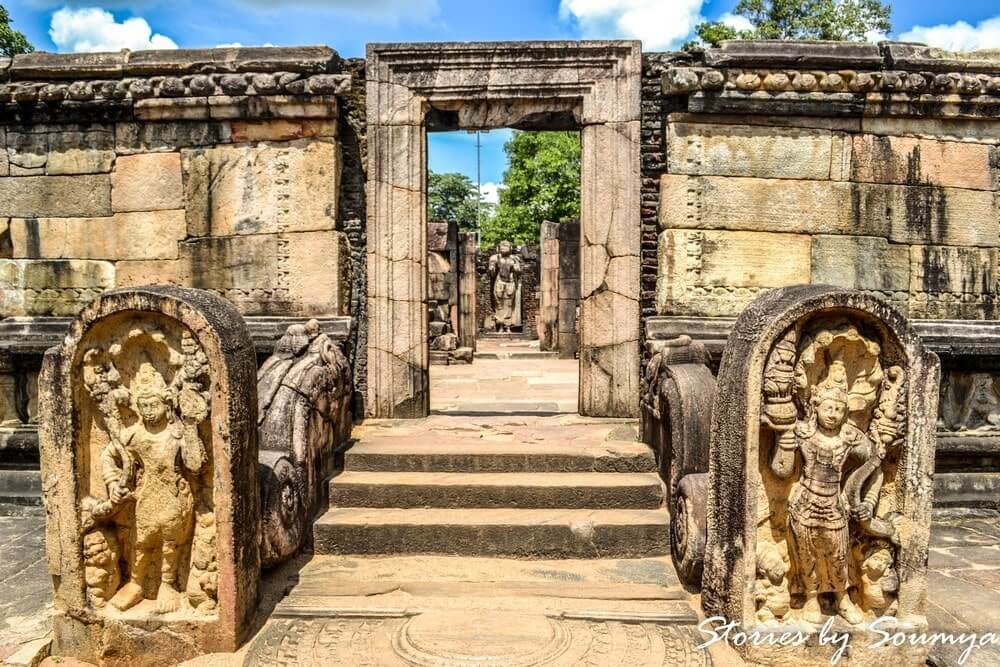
(658, 23)
(490, 192)
(91, 29)
(735, 21)
(958, 36)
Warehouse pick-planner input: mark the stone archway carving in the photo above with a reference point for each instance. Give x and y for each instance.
(491, 85)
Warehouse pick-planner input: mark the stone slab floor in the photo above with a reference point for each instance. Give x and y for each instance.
(423, 609)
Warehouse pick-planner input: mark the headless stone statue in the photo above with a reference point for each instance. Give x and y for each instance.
(505, 272)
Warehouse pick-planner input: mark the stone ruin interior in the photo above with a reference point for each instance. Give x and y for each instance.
(765, 378)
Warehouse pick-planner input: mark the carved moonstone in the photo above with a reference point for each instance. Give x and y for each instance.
(820, 471)
(149, 458)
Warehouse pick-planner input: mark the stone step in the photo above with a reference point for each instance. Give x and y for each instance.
(517, 354)
(21, 486)
(519, 489)
(457, 454)
(519, 533)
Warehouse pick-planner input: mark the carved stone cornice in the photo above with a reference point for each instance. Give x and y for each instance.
(833, 78)
(194, 84)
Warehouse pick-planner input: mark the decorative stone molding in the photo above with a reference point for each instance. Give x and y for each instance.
(838, 79)
(591, 85)
(195, 84)
(149, 465)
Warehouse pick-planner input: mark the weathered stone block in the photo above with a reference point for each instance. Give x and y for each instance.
(148, 182)
(946, 129)
(755, 204)
(168, 136)
(716, 273)
(953, 269)
(4, 161)
(901, 213)
(294, 186)
(911, 161)
(51, 287)
(282, 129)
(166, 566)
(45, 196)
(134, 273)
(60, 150)
(269, 274)
(743, 150)
(143, 235)
(860, 262)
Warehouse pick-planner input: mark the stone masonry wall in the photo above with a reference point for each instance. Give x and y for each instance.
(219, 169)
(778, 174)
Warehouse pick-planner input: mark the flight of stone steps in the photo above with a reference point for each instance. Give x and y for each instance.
(429, 492)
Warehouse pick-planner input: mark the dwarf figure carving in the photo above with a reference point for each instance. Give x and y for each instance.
(770, 589)
(818, 532)
(879, 582)
(505, 272)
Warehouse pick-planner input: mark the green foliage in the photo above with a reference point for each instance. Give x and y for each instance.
(542, 182)
(11, 41)
(452, 198)
(841, 20)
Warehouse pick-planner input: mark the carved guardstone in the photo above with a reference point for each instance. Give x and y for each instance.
(821, 473)
(148, 449)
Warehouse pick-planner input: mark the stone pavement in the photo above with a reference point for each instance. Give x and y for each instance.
(25, 589)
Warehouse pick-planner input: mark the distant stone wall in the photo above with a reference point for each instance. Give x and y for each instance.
(219, 169)
(837, 164)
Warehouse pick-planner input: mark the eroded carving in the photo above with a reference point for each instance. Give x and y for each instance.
(836, 406)
(149, 530)
(304, 395)
(969, 402)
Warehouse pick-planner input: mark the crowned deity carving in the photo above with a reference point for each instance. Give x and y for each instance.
(149, 533)
(837, 410)
(505, 274)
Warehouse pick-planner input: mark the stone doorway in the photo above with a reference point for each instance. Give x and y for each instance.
(593, 87)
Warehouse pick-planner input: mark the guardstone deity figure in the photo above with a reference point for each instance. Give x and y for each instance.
(151, 470)
(505, 272)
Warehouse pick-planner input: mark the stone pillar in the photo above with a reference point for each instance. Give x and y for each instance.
(467, 246)
(8, 393)
(823, 394)
(548, 287)
(160, 565)
(569, 288)
(609, 262)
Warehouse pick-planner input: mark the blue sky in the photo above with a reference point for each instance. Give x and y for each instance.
(347, 25)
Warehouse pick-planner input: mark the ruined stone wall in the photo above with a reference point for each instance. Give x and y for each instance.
(835, 164)
(217, 169)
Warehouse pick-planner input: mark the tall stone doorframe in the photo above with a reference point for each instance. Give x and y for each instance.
(593, 86)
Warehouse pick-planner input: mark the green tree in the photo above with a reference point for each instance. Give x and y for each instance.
(11, 41)
(452, 198)
(542, 182)
(841, 20)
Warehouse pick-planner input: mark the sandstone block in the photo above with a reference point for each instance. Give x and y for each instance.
(271, 274)
(45, 196)
(148, 182)
(168, 136)
(51, 287)
(743, 150)
(901, 213)
(133, 273)
(947, 129)
(860, 262)
(913, 161)
(142, 235)
(282, 129)
(60, 150)
(716, 273)
(4, 160)
(756, 204)
(294, 186)
(953, 269)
